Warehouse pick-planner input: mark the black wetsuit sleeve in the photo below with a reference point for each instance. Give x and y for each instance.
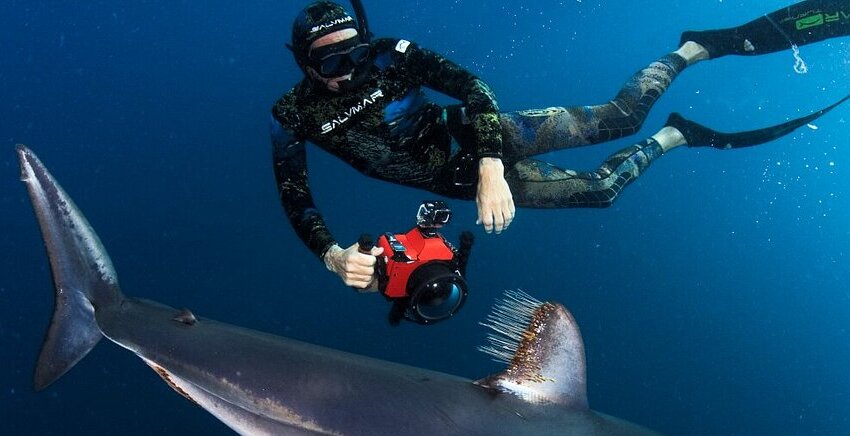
(290, 170)
(442, 75)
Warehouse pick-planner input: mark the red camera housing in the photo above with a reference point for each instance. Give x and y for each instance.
(405, 252)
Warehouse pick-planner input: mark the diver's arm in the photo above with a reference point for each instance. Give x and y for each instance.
(494, 200)
(493, 196)
(440, 74)
(290, 168)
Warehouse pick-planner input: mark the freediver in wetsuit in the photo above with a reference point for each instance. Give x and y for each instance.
(362, 100)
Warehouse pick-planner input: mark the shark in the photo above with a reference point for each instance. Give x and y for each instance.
(261, 384)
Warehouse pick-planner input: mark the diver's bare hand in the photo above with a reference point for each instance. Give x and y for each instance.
(495, 203)
(355, 268)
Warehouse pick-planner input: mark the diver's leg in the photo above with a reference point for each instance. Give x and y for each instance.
(531, 132)
(799, 24)
(541, 185)
(538, 184)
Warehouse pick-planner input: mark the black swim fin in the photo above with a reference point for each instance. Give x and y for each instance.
(698, 135)
(799, 24)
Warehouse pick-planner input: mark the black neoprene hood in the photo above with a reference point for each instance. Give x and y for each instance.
(317, 20)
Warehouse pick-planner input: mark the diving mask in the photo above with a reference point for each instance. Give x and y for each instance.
(339, 59)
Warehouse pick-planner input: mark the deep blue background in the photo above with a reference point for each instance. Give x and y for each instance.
(712, 296)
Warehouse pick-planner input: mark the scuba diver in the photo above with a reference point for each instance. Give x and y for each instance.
(361, 100)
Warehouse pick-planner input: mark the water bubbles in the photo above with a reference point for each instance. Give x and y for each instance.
(800, 66)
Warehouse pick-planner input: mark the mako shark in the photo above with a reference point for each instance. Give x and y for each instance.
(257, 383)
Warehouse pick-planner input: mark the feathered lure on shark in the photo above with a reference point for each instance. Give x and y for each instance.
(257, 383)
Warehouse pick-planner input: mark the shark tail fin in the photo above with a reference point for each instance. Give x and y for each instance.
(83, 276)
(543, 348)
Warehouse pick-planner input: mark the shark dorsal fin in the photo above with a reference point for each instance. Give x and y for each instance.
(542, 346)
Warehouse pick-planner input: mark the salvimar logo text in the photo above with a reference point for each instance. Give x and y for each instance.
(332, 23)
(345, 116)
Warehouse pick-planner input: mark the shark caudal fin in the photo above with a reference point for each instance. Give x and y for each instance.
(542, 346)
(82, 272)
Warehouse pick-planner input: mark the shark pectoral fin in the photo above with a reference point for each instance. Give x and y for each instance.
(82, 272)
(542, 345)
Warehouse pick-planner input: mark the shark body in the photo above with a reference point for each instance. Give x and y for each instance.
(257, 383)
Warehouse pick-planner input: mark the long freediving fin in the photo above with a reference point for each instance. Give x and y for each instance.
(796, 25)
(698, 135)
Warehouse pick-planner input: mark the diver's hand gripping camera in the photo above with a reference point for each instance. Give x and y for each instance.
(420, 272)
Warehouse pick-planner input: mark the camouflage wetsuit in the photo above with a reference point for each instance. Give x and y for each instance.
(387, 129)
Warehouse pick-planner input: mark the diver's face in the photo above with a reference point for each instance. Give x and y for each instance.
(331, 38)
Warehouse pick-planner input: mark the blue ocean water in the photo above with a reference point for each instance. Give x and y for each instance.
(712, 296)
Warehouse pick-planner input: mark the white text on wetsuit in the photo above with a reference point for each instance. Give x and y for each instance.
(339, 120)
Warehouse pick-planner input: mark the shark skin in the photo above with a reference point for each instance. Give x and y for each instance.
(258, 383)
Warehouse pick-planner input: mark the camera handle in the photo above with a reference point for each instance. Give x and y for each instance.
(397, 311)
(366, 243)
(466, 241)
(399, 306)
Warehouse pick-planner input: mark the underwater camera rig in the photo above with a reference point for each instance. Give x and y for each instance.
(420, 272)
